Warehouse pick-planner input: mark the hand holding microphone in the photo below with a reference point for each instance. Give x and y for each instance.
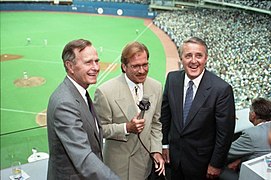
(136, 125)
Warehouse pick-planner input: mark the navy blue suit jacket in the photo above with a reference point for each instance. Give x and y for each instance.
(206, 137)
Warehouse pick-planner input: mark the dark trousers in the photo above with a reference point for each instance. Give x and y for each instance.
(178, 174)
(154, 175)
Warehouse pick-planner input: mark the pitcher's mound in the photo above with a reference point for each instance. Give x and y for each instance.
(29, 82)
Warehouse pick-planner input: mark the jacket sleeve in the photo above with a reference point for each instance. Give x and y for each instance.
(111, 130)
(69, 128)
(225, 124)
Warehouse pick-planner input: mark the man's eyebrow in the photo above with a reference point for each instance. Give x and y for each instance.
(98, 59)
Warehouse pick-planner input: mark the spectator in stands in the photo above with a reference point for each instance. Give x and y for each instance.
(254, 141)
(196, 141)
(261, 4)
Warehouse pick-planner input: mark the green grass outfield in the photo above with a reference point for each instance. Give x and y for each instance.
(20, 105)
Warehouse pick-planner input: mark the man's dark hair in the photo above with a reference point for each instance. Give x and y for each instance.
(68, 51)
(132, 49)
(262, 108)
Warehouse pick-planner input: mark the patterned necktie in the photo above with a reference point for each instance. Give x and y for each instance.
(91, 108)
(188, 101)
(136, 97)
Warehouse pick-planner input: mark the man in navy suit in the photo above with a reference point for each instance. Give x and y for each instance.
(196, 145)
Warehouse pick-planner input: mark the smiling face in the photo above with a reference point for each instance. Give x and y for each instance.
(137, 67)
(194, 57)
(86, 67)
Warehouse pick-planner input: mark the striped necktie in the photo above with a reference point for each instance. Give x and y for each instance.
(188, 101)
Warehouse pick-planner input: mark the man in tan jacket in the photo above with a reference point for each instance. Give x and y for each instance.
(116, 103)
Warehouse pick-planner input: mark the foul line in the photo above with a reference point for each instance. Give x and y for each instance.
(22, 130)
(20, 111)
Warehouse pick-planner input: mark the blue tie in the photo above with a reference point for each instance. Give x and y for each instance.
(188, 101)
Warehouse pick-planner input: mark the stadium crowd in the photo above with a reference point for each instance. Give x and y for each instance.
(239, 44)
(261, 4)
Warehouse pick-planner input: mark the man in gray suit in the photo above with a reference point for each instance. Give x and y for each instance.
(253, 141)
(116, 103)
(74, 132)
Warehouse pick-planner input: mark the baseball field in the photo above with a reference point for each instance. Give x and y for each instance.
(31, 67)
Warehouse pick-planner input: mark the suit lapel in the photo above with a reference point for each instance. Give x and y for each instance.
(178, 98)
(203, 92)
(128, 107)
(147, 92)
(126, 100)
(85, 109)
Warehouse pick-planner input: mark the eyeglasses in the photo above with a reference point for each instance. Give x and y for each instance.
(138, 67)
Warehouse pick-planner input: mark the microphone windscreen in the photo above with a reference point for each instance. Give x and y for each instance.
(145, 99)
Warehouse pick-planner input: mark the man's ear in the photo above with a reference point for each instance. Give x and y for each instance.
(69, 66)
(253, 115)
(123, 67)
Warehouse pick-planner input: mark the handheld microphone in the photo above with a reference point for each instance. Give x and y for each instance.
(143, 105)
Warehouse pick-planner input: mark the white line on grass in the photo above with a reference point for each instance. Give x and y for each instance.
(42, 61)
(20, 111)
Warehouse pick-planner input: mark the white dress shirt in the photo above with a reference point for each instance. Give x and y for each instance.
(139, 94)
(82, 91)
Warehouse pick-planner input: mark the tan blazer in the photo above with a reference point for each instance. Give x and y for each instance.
(115, 106)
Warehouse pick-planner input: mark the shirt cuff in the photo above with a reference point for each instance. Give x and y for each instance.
(125, 130)
(166, 146)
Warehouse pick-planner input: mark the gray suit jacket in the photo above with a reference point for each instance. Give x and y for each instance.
(75, 146)
(251, 144)
(115, 105)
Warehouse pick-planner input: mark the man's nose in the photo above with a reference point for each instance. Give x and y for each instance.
(95, 65)
(193, 59)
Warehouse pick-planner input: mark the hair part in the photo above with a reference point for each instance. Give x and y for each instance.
(130, 50)
(68, 53)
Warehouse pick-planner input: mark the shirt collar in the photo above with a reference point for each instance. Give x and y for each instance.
(131, 84)
(263, 122)
(81, 90)
(196, 81)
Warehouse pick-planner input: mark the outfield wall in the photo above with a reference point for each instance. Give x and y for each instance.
(107, 8)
